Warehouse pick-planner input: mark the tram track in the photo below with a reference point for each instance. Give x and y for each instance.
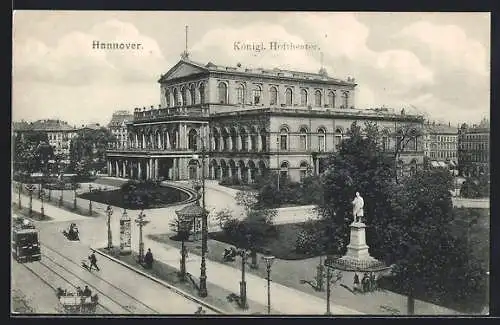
(37, 273)
(128, 308)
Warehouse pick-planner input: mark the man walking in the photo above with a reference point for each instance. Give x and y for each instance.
(93, 262)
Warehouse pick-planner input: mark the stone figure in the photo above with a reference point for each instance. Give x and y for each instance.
(357, 209)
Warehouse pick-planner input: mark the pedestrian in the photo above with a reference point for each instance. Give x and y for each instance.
(356, 282)
(93, 262)
(364, 282)
(373, 282)
(200, 311)
(87, 292)
(148, 259)
(79, 291)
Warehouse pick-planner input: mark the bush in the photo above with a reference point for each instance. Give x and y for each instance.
(309, 239)
(230, 181)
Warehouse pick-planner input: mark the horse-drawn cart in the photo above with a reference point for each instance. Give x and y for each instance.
(74, 303)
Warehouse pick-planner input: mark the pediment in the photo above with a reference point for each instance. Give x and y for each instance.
(182, 69)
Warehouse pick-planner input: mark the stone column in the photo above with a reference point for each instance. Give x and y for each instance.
(167, 140)
(117, 169)
(177, 140)
(249, 171)
(238, 170)
(238, 142)
(229, 171)
(139, 169)
(157, 168)
(175, 169)
(109, 168)
(124, 169)
(249, 142)
(221, 143)
(143, 141)
(259, 142)
(148, 169)
(136, 144)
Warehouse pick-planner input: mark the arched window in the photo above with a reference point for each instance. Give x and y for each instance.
(331, 99)
(321, 140)
(244, 140)
(202, 93)
(338, 138)
(184, 94)
(345, 99)
(303, 97)
(167, 97)
(273, 96)
(317, 98)
(288, 97)
(284, 170)
(177, 99)
(222, 93)
(303, 170)
(283, 139)
(192, 138)
(256, 95)
(240, 94)
(303, 139)
(192, 90)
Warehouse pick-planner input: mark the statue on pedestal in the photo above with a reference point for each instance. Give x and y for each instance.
(357, 209)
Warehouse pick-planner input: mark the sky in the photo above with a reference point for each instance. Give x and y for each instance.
(435, 64)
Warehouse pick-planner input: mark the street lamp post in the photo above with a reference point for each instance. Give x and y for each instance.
(61, 196)
(141, 222)
(278, 159)
(30, 189)
(75, 186)
(204, 228)
(90, 200)
(19, 189)
(243, 285)
(109, 212)
(269, 262)
(328, 290)
(42, 210)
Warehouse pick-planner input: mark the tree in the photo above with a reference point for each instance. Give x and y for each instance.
(360, 165)
(223, 216)
(404, 134)
(32, 151)
(90, 145)
(432, 261)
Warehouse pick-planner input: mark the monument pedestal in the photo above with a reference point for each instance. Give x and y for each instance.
(358, 256)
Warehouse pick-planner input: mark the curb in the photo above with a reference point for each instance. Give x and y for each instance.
(163, 283)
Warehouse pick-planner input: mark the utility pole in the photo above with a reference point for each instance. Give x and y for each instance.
(278, 160)
(204, 230)
(90, 200)
(109, 212)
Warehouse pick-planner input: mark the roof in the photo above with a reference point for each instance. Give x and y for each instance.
(271, 72)
(119, 117)
(43, 125)
(92, 126)
(192, 210)
(440, 129)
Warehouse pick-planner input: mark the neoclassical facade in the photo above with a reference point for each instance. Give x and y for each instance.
(245, 122)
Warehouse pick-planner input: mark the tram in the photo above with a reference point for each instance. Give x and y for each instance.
(25, 241)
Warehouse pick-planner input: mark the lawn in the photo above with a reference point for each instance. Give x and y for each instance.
(163, 196)
(282, 246)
